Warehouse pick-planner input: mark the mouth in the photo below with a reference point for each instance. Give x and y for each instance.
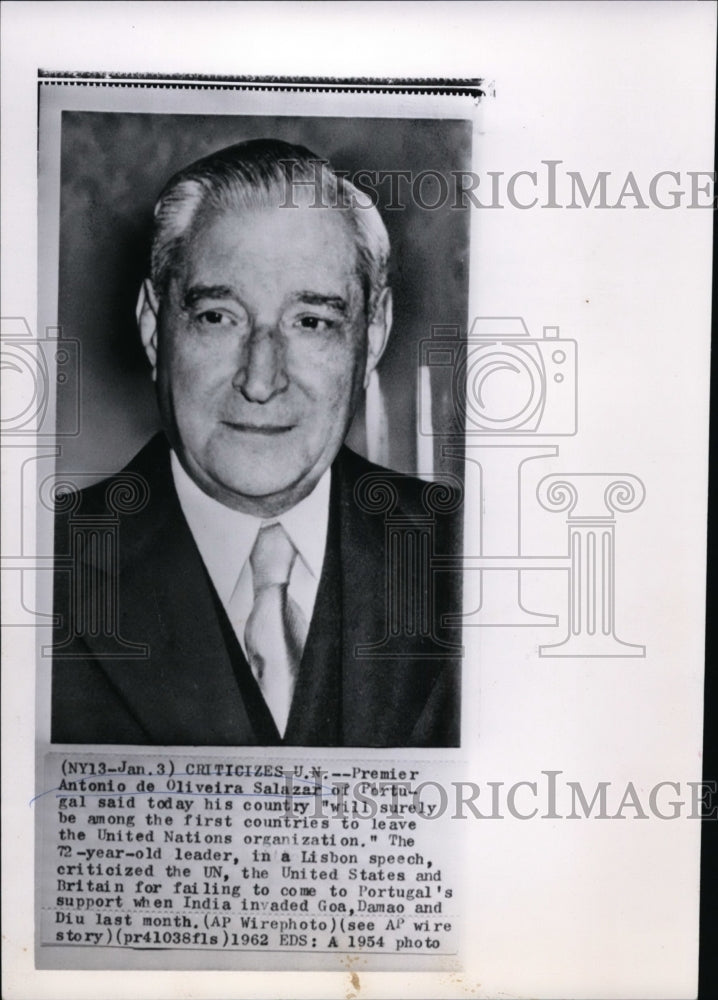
(266, 430)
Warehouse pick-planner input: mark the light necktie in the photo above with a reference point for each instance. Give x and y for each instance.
(276, 628)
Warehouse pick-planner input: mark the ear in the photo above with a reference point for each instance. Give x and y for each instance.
(378, 332)
(147, 312)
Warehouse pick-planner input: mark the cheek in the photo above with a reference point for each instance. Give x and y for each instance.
(194, 368)
(333, 393)
(330, 374)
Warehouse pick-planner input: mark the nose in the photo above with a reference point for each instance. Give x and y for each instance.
(261, 374)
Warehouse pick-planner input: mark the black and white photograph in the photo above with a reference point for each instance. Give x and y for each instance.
(261, 581)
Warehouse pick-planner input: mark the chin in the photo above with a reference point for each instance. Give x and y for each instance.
(257, 486)
(262, 474)
(257, 490)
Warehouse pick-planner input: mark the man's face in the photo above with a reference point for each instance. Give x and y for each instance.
(260, 353)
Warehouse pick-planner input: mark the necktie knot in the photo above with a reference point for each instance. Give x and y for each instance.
(272, 558)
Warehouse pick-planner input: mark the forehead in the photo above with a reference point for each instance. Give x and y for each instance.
(275, 245)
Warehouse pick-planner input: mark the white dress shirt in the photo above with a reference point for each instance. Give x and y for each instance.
(225, 538)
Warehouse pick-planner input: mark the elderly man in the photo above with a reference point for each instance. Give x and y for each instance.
(255, 587)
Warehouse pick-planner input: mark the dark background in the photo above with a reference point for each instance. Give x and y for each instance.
(113, 168)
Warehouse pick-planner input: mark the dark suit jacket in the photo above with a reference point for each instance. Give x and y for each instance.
(144, 654)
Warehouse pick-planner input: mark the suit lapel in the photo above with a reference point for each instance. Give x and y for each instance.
(185, 692)
(315, 718)
(383, 695)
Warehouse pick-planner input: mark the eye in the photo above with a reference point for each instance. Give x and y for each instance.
(213, 317)
(314, 323)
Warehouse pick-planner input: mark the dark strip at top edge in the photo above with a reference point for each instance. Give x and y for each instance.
(476, 87)
(382, 80)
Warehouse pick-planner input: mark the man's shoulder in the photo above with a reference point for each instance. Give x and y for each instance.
(377, 489)
(130, 490)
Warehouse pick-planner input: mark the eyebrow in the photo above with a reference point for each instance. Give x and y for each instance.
(315, 299)
(198, 292)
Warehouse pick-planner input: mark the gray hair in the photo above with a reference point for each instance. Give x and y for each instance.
(255, 174)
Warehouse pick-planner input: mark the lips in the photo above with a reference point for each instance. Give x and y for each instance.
(263, 429)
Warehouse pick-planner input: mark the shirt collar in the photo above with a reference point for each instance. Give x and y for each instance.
(225, 536)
